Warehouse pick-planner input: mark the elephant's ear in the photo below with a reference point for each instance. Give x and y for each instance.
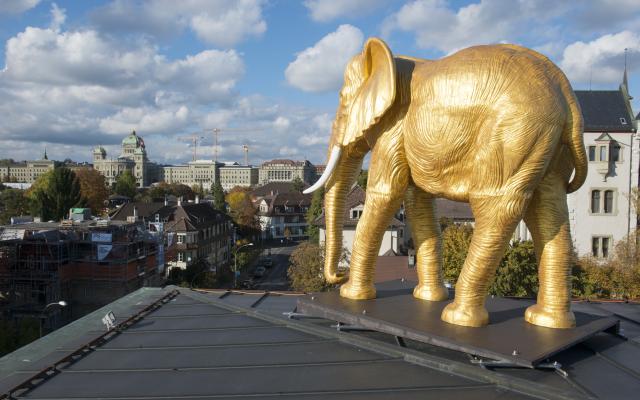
(377, 92)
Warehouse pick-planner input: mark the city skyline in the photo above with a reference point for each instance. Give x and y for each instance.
(79, 74)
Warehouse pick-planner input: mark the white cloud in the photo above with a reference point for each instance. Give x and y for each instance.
(17, 6)
(58, 16)
(219, 22)
(148, 119)
(327, 10)
(320, 68)
(289, 151)
(601, 60)
(438, 26)
(281, 123)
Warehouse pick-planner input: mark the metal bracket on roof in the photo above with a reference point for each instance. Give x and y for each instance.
(556, 366)
(297, 315)
(350, 328)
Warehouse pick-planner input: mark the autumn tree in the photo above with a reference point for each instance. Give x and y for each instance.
(13, 203)
(126, 184)
(306, 266)
(218, 197)
(241, 210)
(93, 188)
(315, 210)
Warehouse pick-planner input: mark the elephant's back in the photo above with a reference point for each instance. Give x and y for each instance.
(477, 115)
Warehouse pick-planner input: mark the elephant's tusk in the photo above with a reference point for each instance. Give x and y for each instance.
(331, 164)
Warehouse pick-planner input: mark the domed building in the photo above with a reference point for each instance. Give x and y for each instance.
(133, 158)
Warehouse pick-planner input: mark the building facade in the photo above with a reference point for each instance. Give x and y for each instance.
(27, 172)
(284, 215)
(234, 174)
(287, 171)
(133, 158)
(195, 173)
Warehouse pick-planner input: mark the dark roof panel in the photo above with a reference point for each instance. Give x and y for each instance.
(604, 111)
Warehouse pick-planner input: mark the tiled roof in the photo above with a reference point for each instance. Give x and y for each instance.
(605, 111)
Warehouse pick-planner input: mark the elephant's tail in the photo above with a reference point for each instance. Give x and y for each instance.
(573, 137)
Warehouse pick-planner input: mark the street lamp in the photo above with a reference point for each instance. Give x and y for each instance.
(60, 303)
(235, 263)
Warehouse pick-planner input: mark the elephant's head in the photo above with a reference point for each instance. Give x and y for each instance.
(368, 92)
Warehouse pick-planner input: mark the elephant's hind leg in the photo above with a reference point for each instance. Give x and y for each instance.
(548, 221)
(428, 241)
(496, 219)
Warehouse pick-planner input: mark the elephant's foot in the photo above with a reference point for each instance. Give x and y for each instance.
(537, 315)
(431, 292)
(351, 291)
(460, 314)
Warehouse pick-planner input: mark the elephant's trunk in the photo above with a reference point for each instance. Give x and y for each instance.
(334, 202)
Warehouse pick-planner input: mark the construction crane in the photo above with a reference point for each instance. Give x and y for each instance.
(194, 138)
(216, 132)
(245, 148)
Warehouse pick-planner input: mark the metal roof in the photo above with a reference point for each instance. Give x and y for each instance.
(221, 344)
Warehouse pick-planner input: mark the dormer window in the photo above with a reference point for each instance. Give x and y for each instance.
(623, 121)
(356, 214)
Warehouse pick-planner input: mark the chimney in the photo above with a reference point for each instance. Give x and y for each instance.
(197, 199)
(135, 213)
(179, 201)
(166, 202)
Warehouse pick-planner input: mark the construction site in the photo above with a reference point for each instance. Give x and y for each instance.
(83, 264)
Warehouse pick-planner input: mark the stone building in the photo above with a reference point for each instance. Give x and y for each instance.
(234, 174)
(287, 171)
(26, 172)
(132, 158)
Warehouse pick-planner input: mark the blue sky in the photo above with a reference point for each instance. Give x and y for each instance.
(76, 74)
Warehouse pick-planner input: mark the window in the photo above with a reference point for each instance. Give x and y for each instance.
(180, 256)
(180, 238)
(602, 201)
(595, 202)
(600, 246)
(592, 153)
(603, 153)
(355, 214)
(608, 201)
(623, 121)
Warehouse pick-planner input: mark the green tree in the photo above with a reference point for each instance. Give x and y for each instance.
(61, 194)
(517, 274)
(455, 246)
(363, 178)
(126, 184)
(242, 211)
(315, 209)
(297, 184)
(13, 203)
(218, 197)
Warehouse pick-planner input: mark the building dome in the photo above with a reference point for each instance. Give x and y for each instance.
(99, 150)
(133, 139)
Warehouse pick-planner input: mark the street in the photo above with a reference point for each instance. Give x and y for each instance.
(275, 278)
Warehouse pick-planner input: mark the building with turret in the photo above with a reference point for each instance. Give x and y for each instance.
(27, 171)
(132, 158)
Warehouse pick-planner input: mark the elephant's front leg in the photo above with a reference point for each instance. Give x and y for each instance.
(387, 183)
(420, 209)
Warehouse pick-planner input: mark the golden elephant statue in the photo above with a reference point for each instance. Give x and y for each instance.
(496, 126)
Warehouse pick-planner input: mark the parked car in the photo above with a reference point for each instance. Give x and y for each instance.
(268, 262)
(259, 272)
(248, 284)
